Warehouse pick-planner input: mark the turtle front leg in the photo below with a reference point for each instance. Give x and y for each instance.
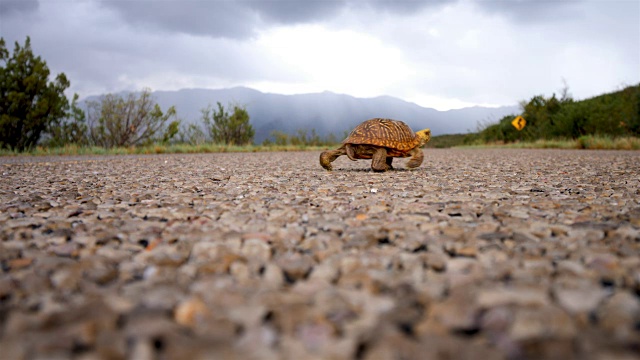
(379, 160)
(417, 156)
(389, 161)
(329, 156)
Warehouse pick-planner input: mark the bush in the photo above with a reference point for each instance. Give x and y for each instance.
(234, 129)
(301, 138)
(610, 115)
(121, 121)
(71, 130)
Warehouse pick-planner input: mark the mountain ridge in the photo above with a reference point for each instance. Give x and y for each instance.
(326, 112)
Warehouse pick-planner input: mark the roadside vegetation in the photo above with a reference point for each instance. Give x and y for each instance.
(446, 141)
(607, 121)
(584, 142)
(156, 149)
(37, 118)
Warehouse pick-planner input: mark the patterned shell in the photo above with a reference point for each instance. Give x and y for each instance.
(389, 133)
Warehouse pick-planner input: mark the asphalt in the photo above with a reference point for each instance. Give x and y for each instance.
(493, 253)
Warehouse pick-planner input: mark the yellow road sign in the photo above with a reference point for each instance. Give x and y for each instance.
(519, 123)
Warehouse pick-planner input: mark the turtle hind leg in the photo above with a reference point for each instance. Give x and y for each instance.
(351, 151)
(389, 161)
(329, 156)
(379, 160)
(417, 156)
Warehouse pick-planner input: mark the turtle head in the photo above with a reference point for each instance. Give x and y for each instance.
(424, 135)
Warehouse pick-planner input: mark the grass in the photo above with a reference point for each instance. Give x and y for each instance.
(590, 142)
(158, 149)
(621, 143)
(446, 141)
(538, 144)
(584, 142)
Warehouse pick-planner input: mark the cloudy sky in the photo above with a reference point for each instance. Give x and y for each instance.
(437, 53)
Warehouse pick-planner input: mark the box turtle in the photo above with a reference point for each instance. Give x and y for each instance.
(380, 140)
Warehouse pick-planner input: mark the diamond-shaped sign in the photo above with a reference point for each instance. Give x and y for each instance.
(519, 123)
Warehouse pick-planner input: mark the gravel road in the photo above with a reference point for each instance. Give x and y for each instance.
(477, 254)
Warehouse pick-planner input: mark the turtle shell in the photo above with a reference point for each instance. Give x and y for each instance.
(393, 134)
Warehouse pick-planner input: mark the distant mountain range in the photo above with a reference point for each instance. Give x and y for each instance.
(325, 112)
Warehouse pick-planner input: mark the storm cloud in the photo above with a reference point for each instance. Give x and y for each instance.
(8, 7)
(441, 54)
(241, 18)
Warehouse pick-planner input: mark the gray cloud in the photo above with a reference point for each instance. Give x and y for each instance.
(7, 7)
(234, 19)
(402, 7)
(473, 51)
(214, 18)
(239, 19)
(527, 11)
(295, 11)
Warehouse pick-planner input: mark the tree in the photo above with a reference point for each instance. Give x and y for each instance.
(234, 129)
(331, 139)
(127, 120)
(192, 134)
(70, 130)
(302, 138)
(280, 138)
(29, 104)
(171, 131)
